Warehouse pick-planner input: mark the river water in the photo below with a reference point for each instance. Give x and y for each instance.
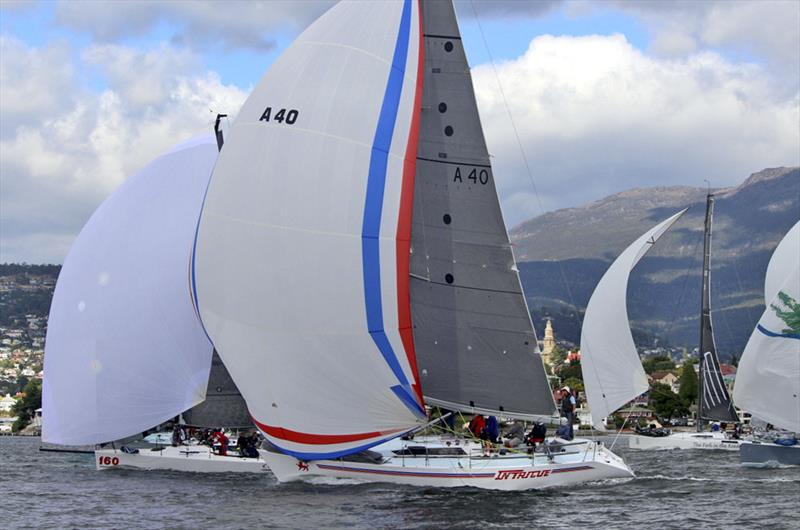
(672, 489)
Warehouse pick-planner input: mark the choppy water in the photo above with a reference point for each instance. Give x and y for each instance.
(673, 489)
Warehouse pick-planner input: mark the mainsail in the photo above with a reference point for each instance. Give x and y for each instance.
(768, 379)
(297, 273)
(473, 336)
(125, 350)
(612, 371)
(714, 403)
(223, 406)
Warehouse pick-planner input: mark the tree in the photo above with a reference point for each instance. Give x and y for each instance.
(665, 403)
(658, 363)
(688, 382)
(26, 407)
(558, 355)
(573, 383)
(571, 371)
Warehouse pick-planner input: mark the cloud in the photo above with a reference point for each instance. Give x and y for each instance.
(596, 116)
(61, 158)
(767, 29)
(505, 8)
(198, 24)
(23, 74)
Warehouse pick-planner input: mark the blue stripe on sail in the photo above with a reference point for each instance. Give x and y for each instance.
(769, 333)
(373, 208)
(195, 300)
(300, 455)
(406, 395)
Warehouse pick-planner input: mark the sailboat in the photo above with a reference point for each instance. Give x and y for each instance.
(612, 372)
(352, 265)
(125, 350)
(713, 401)
(768, 380)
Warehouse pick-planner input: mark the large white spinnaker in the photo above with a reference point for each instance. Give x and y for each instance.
(125, 349)
(612, 371)
(768, 377)
(297, 264)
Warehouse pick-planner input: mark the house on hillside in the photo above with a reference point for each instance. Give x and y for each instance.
(665, 378)
(6, 404)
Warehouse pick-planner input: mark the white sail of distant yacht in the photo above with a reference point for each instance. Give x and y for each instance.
(125, 350)
(612, 372)
(352, 263)
(768, 377)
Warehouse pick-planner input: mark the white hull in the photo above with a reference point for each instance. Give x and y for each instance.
(756, 454)
(686, 440)
(197, 458)
(582, 463)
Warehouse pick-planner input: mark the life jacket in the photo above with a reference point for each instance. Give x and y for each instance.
(476, 425)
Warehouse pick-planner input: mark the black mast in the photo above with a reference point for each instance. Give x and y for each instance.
(713, 402)
(218, 131)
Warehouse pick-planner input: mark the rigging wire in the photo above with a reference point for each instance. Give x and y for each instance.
(521, 150)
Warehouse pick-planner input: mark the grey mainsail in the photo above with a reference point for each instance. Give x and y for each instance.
(223, 406)
(475, 344)
(714, 402)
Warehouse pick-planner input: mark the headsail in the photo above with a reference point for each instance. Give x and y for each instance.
(125, 350)
(768, 379)
(612, 372)
(714, 403)
(297, 271)
(475, 343)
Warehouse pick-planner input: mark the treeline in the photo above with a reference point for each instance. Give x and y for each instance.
(12, 269)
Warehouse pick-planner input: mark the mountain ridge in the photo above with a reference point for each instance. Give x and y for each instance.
(563, 254)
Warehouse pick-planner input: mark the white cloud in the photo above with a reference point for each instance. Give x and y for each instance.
(61, 159)
(597, 116)
(199, 23)
(767, 29)
(36, 82)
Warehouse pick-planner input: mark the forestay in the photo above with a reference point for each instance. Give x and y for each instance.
(768, 377)
(296, 269)
(125, 350)
(612, 371)
(473, 335)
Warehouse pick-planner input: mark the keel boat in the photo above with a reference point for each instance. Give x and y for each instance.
(768, 380)
(125, 350)
(352, 266)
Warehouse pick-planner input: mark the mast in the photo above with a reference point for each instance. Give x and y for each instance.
(713, 401)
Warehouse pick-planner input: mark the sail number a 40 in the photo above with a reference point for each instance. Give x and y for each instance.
(287, 116)
(474, 175)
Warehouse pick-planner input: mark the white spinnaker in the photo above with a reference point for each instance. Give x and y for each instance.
(612, 371)
(783, 260)
(280, 265)
(768, 377)
(125, 350)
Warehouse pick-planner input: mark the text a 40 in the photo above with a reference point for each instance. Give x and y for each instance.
(280, 115)
(474, 175)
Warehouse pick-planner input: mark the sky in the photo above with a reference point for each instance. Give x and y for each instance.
(578, 99)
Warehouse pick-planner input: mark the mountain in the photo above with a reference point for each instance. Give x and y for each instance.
(563, 254)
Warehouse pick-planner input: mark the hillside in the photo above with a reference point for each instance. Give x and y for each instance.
(563, 254)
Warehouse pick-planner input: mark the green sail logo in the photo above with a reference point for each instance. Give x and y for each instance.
(788, 310)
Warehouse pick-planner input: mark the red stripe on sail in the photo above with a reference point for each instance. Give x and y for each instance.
(318, 439)
(403, 245)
